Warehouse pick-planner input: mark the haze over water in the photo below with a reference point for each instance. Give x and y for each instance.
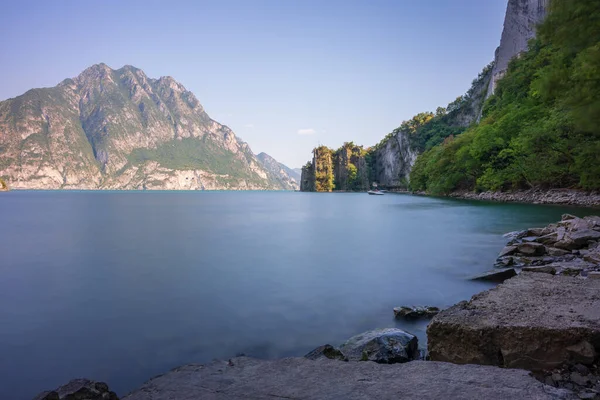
(122, 286)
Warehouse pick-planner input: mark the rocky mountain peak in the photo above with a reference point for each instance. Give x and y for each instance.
(120, 129)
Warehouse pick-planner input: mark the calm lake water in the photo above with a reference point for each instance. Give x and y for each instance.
(122, 286)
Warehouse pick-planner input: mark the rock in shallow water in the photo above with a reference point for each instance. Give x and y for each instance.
(387, 346)
(415, 312)
(300, 378)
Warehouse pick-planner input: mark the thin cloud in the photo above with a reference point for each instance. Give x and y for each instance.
(308, 131)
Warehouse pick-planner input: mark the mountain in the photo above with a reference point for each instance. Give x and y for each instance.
(119, 129)
(297, 172)
(278, 172)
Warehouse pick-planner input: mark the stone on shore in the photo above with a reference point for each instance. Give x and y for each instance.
(300, 378)
(79, 389)
(386, 346)
(533, 321)
(326, 351)
(409, 313)
(496, 275)
(571, 246)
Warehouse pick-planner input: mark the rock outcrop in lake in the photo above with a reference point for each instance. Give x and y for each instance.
(120, 129)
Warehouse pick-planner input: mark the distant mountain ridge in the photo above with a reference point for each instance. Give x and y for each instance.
(279, 172)
(119, 129)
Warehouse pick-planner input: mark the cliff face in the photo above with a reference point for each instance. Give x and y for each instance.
(393, 161)
(278, 172)
(522, 17)
(119, 129)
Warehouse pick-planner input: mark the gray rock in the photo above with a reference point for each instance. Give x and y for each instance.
(326, 351)
(507, 251)
(553, 251)
(497, 275)
(299, 378)
(406, 312)
(532, 249)
(388, 345)
(580, 380)
(594, 275)
(582, 369)
(533, 321)
(546, 269)
(79, 389)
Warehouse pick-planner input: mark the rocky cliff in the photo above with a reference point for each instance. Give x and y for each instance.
(278, 172)
(522, 17)
(391, 160)
(119, 129)
(344, 169)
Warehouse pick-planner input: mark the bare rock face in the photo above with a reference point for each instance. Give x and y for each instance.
(520, 22)
(394, 161)
(79, 389)
(300, 378)
(119, 129)
(532, 321)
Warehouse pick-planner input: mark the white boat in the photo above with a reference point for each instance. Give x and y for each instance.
(375, 192)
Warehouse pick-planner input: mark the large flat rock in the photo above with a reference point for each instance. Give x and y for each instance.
(300, 378)
(532, 321)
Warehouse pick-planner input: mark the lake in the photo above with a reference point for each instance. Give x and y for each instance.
(122, 286)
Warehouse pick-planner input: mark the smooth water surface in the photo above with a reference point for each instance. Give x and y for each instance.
(121, 286)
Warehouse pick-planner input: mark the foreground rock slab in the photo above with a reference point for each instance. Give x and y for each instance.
(532, 321)
(300, 378)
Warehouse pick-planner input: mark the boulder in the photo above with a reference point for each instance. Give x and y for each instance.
(548, 239)
(326, 351)
(507, 251)
(553, 251)
(415, 312)
(594, 275)
(387, 346)
(79, 389)
(497, 275)
(533, 321)
(299, 378)
(546, 269)
(531, 249)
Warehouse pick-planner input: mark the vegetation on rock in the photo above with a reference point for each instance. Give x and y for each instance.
(541, 127)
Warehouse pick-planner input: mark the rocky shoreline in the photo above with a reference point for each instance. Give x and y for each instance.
(534, 336)
(536, 196)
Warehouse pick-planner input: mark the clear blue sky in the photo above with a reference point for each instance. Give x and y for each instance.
(285, 75)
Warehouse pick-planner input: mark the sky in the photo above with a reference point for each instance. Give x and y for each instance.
(285, 75)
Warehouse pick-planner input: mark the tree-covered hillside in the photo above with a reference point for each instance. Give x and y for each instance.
(541, 128)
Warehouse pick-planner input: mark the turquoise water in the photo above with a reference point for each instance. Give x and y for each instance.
(121, 286)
